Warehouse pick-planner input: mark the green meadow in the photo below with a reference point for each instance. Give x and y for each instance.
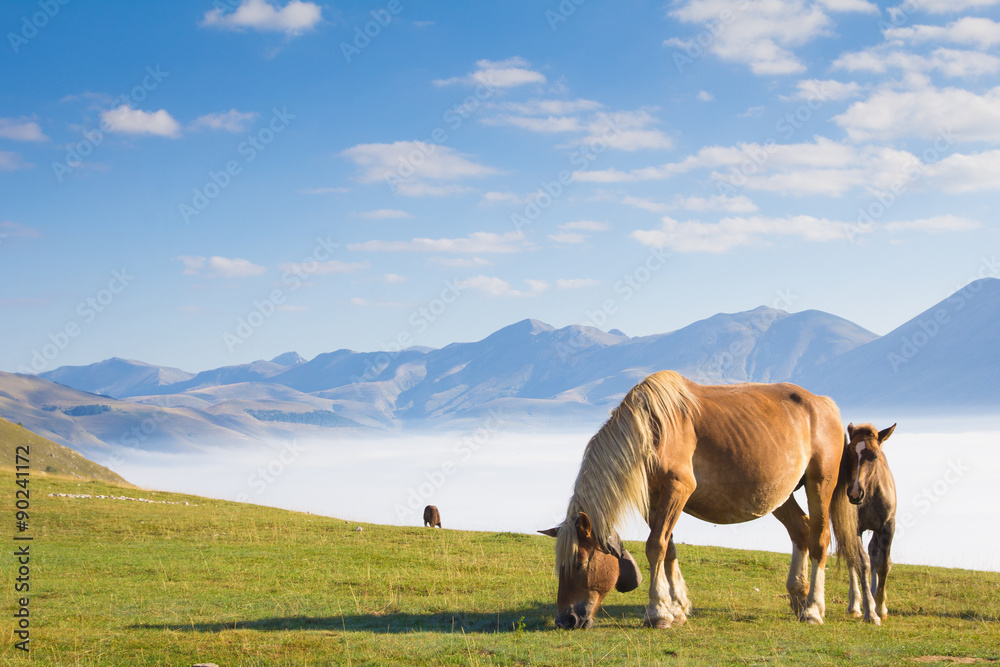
(124, 582)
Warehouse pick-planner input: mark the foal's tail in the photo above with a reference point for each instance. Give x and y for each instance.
(844, 516)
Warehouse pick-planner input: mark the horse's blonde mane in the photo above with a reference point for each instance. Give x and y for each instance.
(614, 473)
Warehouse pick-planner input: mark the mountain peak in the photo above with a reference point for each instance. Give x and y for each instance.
(288, 359)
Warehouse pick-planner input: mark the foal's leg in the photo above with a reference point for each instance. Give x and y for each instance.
(797, 524)
(867, 580)
(662, 581)
(854, 597)
(678, 588)
(882, 565)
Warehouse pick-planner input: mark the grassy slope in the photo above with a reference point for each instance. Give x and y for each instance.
(119, 582)
(49, 458)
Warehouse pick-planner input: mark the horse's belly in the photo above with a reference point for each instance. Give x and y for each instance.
(717, 500)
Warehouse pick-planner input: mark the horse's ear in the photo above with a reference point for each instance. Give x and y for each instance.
(884, 434)
(850, 430)
(551, 532)
(584, 529)
(629, 574)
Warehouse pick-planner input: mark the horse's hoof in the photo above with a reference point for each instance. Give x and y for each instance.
(875, 620)
(856, 613)
(680, 619)
(658, 624)
(811, 616)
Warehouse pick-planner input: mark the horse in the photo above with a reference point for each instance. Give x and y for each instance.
(432, 517)
(873, 491)
(722, 453)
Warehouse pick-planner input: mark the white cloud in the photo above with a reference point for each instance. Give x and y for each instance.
(220, 267)
(292, 19)
(230, 121)
(551, 107)
(475, 243)
(192, 264)
(760, 34)
(10, 229)
(950, 62)
(494, 197)
(498, 74)
(705, 96)
(415, 168)
(959, 173)
(729, 233)
(393, 278)
(816, 90)
(626, 131)
(862, 6)
(497, 287)
(225, 267)
(924, 112)
(576, 283)
(943, 6)
(975, 31)
(358, 301)
(12, 161)
(21, 129)
(460, 262)
(127, 120)
(333, 266)
(383, 214)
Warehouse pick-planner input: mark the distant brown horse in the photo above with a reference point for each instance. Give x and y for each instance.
(432, 517)
(873, 490)
(724, 454)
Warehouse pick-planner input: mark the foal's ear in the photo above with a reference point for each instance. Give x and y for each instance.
(884, 434)
(850, 430)
(584, 529)
(551, 532)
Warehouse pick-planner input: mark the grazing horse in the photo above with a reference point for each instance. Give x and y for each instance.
(724, 454)
(873, 490)
(432, 517)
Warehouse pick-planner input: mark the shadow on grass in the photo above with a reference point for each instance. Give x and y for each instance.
(540, 618)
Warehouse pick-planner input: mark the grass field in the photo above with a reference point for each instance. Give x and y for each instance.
(119, 582)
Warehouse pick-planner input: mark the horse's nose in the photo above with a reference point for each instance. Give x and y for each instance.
(567, 621)
(856, 500)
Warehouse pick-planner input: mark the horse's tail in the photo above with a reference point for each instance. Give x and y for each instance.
(844, 516)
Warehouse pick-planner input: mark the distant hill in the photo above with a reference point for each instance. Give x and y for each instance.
(49, 458)
(944, 359)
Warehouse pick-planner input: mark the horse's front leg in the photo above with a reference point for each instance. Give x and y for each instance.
(866, 578)
(668, 603)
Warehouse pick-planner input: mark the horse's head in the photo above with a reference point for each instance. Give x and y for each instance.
(588, 571)
(863, 450)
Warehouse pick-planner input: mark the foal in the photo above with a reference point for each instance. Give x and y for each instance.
(873, 491)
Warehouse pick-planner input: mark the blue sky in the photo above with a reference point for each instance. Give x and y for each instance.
(196, 185)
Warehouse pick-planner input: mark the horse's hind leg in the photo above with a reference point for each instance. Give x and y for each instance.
(797, 524)
(666, 601)
(881, 564)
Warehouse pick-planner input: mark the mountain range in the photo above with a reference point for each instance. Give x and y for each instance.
(944, 359)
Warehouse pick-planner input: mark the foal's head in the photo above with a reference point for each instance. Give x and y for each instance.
(588, 572)
(863, 451)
